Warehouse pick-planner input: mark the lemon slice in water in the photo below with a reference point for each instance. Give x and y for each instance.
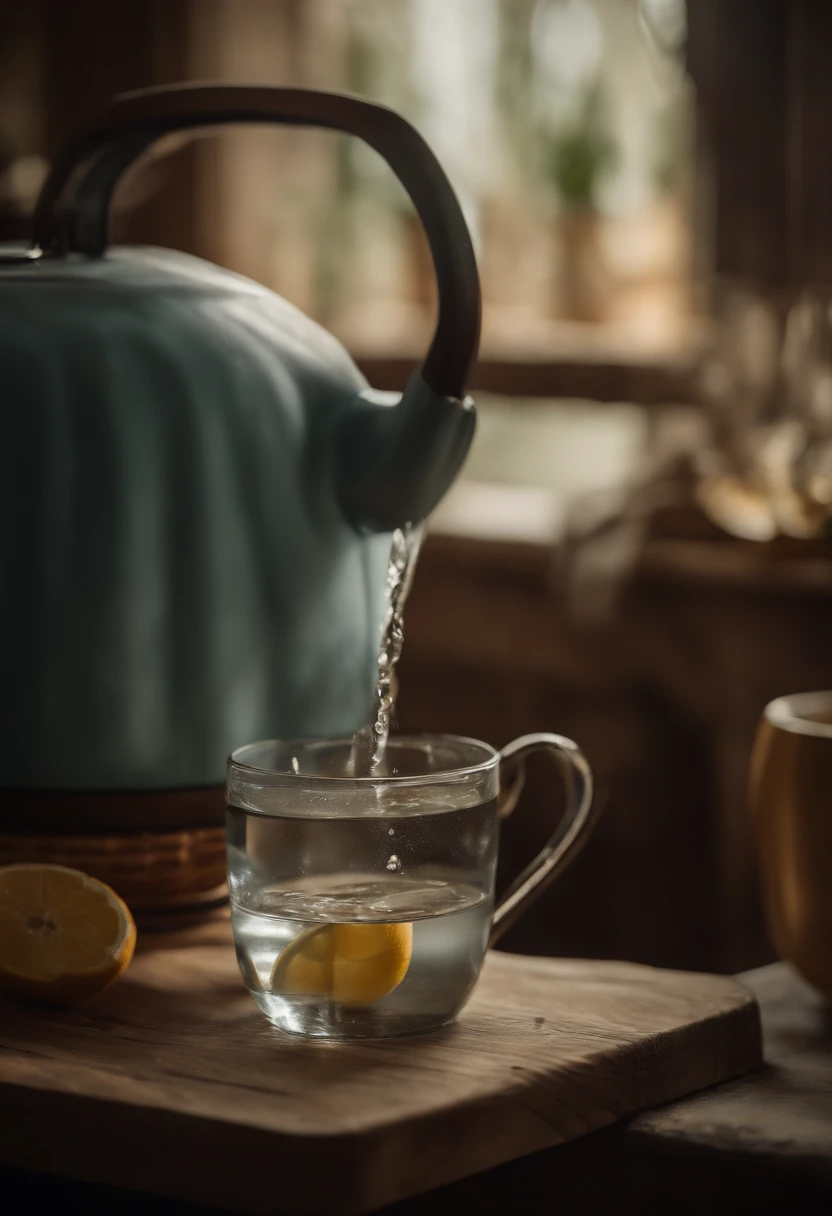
(353, 964)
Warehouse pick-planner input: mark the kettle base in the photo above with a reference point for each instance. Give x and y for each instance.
(169, 878)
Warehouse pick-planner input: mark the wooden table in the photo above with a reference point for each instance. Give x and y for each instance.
(775, 1123)
(173, 1083)
(763, 1143)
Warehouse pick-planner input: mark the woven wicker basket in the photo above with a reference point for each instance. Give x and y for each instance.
(166, 875)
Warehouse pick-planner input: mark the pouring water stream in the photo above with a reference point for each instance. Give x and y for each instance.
(370, 743)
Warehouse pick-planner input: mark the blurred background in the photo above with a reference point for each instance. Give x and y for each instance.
(636, 554)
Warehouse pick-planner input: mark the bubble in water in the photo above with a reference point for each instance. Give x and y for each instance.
(393, 863)
(295, 765)
(391, 831)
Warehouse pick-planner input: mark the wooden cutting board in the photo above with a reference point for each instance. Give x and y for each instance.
(174, 1083)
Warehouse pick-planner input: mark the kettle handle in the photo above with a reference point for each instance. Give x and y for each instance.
(72, 213)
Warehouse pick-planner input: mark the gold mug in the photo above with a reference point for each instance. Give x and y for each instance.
(791, 806)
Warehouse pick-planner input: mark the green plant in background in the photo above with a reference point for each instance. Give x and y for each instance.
(378, 67)
(515, 82)
(578, 154)
(671, 146)
(375, 66)
(334, 235)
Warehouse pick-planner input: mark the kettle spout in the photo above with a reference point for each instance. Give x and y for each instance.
(397, 456)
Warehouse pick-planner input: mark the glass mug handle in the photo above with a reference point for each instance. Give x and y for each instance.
(569, 836)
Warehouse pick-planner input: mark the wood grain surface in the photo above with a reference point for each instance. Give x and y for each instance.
(172, 1082)
(779, 1118)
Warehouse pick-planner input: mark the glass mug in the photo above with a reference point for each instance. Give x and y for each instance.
(363, 906)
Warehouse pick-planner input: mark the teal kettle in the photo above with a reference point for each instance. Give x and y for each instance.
(198, 485)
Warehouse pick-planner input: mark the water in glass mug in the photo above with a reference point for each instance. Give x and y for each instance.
(365, 926)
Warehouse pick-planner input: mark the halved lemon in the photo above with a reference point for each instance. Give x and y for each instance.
(355, 964)
(63, 935)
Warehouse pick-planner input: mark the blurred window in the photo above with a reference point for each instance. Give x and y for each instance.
(564, 126)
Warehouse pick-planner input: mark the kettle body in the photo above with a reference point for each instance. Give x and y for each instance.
(180, 576)
(198, 486)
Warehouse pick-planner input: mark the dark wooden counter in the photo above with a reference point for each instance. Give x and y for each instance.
(663, 694)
